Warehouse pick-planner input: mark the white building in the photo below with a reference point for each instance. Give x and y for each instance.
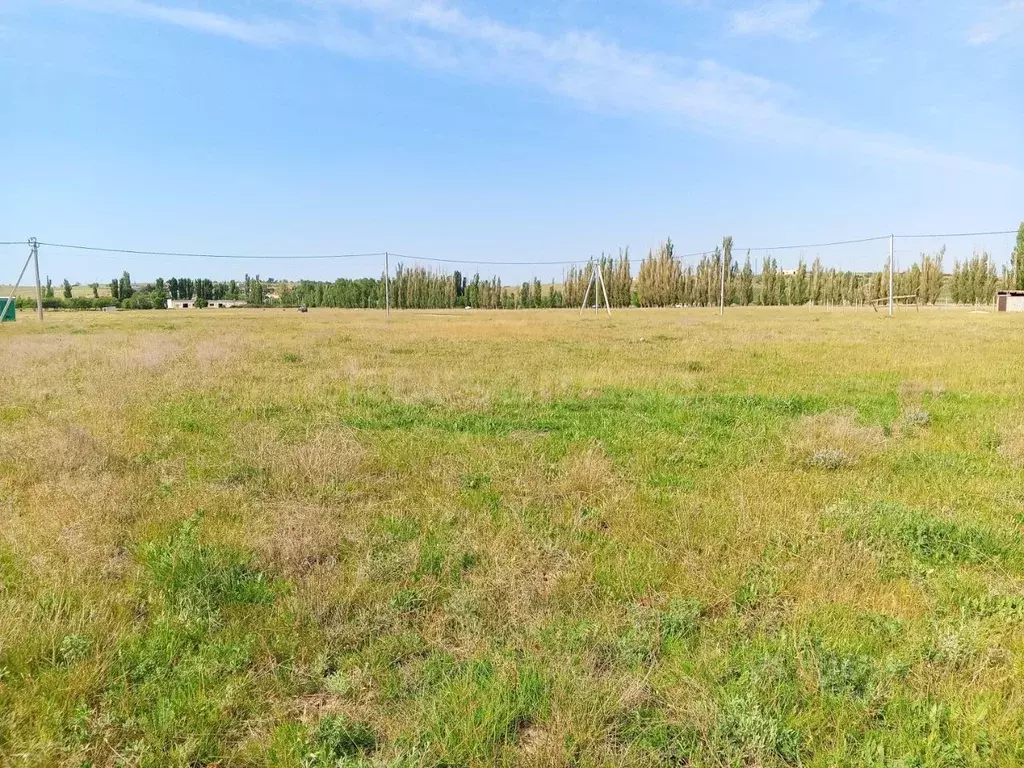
(1010, 301)
(210, 303)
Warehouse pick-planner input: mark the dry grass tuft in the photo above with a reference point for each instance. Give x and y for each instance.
(587, 479)
(914, 390)
(833, 441)
(297, 538)
(319, 465)
(1011, 444)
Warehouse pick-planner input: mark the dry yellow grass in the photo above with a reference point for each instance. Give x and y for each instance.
(834, 440)
(513, 538)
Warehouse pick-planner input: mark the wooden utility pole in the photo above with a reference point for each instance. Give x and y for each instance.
(721, 292)
(387, 285)
(596, 280)
(892, 253)
(39, 288)
(607, 304)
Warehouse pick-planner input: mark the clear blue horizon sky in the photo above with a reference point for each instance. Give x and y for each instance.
(493, 130)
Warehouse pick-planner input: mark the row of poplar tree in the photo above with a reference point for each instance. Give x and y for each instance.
(663, 280)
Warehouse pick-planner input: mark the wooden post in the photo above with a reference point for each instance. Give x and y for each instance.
(607, 304)
(39, 288)
(387, 285)
(891, 254)
(586, 293)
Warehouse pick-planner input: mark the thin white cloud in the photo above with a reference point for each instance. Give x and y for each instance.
(580, 66)
(271, 32)
(1004, 21)
(982, 33)
(788, 19)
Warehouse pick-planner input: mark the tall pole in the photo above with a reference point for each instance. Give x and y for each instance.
(39, 288)
(604, 290)
(387, 285)
(721, 293)
(586, 294)
(891, 255)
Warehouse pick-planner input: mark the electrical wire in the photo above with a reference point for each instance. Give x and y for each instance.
(489, 263)
(958, 234)
(811, 245)
(184, 254)
(494, 263)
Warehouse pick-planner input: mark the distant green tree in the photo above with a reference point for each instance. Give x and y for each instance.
(816, 294)
(255, 290)
(799, 294)
(95, 290)
(931, 276)
(49, 288)
(124, 287)
(67, 289)
(726, 267)
(746, 292)
(1017, 260)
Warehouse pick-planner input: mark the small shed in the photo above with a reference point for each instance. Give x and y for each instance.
(10, 314)
(1010, 301)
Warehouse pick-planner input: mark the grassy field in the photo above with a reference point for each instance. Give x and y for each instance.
(514, 538)
(58, 290)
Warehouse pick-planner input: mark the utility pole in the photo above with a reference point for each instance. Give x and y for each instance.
(721, 293)
(39, 289)
(607, 304)
(387, 285)
(891, 255)
(596, 281)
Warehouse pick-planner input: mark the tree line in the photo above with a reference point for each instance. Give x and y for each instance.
(125, 294)
(662, 279)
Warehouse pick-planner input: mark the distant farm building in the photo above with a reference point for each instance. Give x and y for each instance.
(1010, 301)
(210, 303)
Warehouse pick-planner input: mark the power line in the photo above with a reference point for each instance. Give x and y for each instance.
(875, 239)
(495, 263)
(490, 263)
(958, 234)
(811, 245)
(185, 254)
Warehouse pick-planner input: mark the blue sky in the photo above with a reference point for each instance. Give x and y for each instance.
(498, 130)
